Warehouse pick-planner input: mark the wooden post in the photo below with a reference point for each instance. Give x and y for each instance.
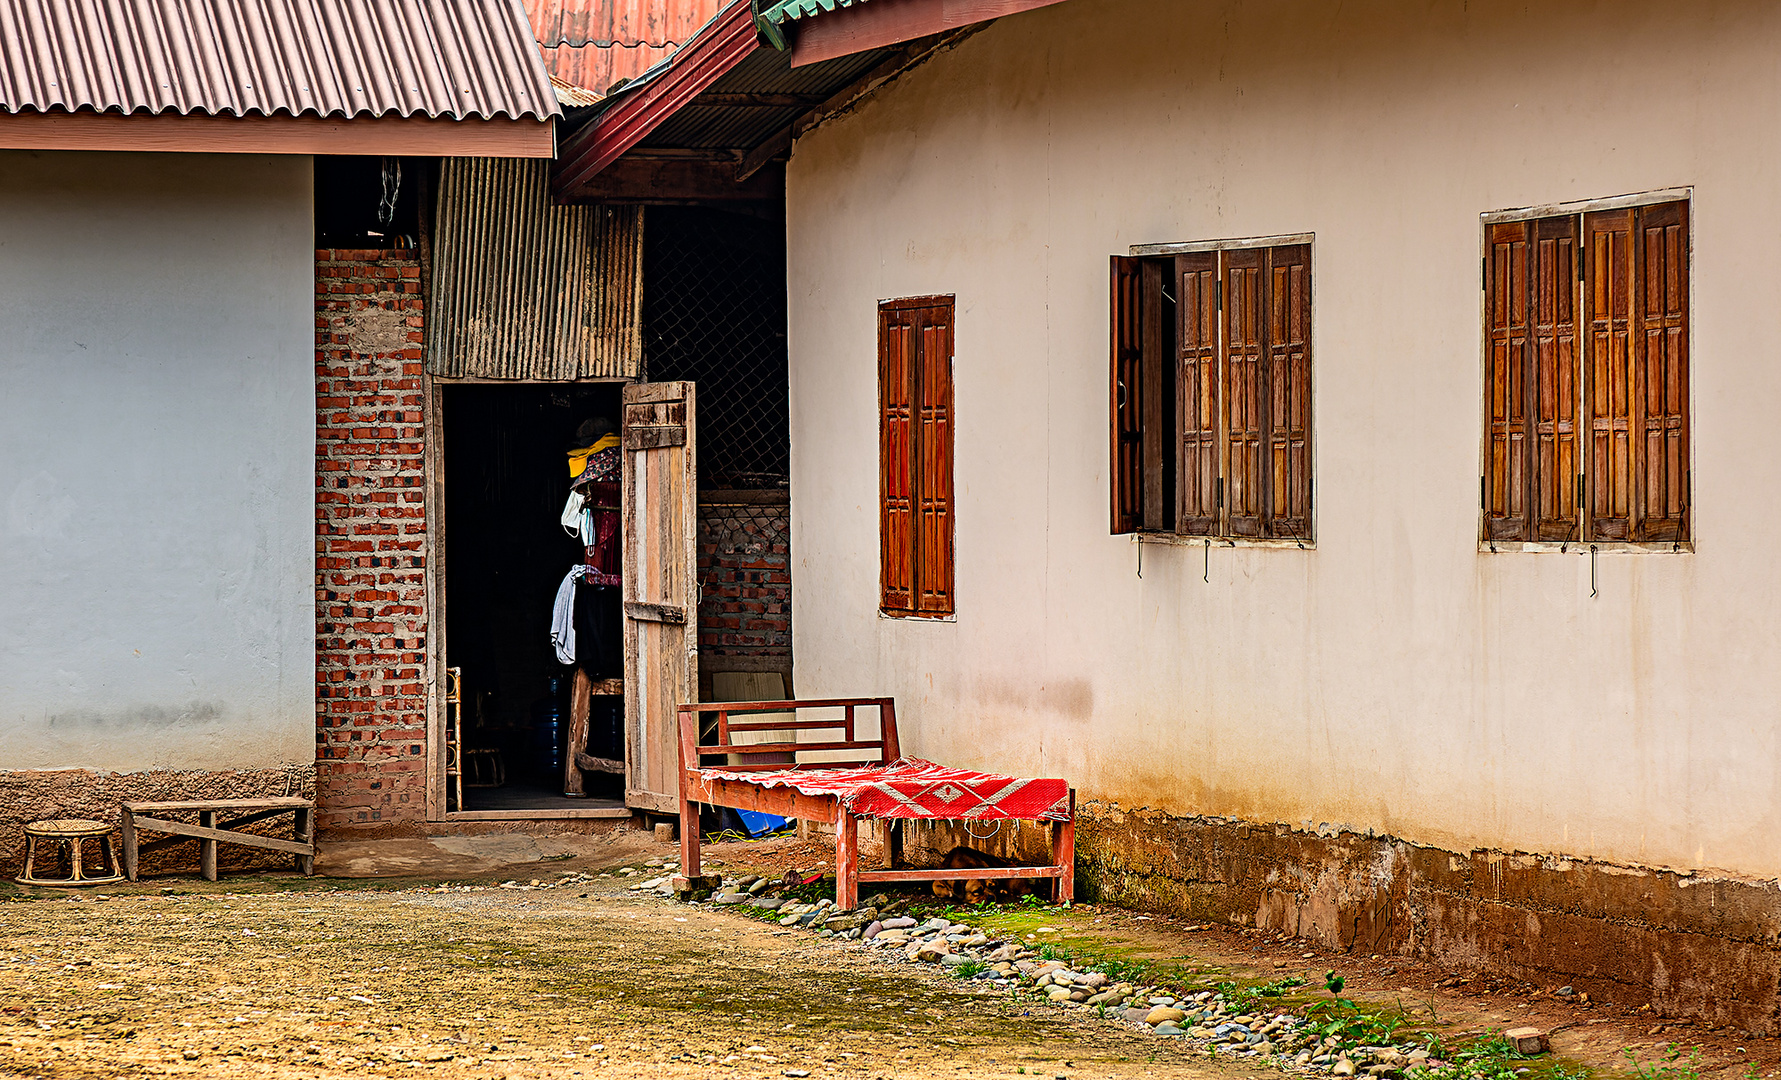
(207, 846)
(581, 703)
(893, 843)
(887, 730)
(127, 831)
(689, 810)
(305, 831)
(847, 860)
(1063, 853)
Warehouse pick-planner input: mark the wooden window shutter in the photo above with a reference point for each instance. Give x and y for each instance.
(1609, 395)
(1660, 373)
(897, 361)
(1507, 475)
(1196, 335)
(1245, 335)
(1553, 336)
(933, 561)
(1286, 377)
(1127, 385)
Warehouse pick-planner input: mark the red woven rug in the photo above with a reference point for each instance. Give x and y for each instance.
(912, 788)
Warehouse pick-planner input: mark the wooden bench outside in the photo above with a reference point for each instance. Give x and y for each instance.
(698, 787)
(209, 832)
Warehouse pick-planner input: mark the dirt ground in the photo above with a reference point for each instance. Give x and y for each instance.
(278, 976)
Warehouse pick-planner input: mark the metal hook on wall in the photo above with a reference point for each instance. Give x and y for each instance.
(1592, 588)
(1206, 570)
(1139, 544)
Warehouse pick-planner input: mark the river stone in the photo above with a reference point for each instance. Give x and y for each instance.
(954, 960)
(1058, 993)
(1167, 1029)
(1343, 1067)
(767, 905)
(932, 952)
(873, 930)
(1163, 1013)
(1136, 1016)
(901, 922)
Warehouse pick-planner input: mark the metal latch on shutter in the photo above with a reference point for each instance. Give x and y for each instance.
(662, 613)
(654, 436)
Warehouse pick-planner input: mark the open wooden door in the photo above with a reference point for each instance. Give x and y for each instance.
(660, 532)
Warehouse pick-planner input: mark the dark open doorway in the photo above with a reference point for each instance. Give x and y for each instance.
(506, 553)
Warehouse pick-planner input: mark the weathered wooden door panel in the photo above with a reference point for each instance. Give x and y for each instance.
(660, 586)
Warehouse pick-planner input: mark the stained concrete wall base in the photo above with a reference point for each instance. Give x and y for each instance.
(34, 794)
(1689, 944)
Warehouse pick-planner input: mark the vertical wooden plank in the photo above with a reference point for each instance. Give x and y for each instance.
(581, 701)
(1156, 441)
(887, 730)
(1245, 335)
(207, 846)
(1063, 853)
(305, 833)
(847, 859)
(687, 728)
(1286, 379)
(934, 553)
(1661, 369)
(1506, 472)
(127, 833)
(1196, 393)
(1552, 318)
(659, 525)
(1126, 461)
(1609, 394)
(433, 551)
(897, 358)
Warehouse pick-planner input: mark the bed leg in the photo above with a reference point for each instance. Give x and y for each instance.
(893, 843)
(847, 861)
(1063, 853)
(689, 839)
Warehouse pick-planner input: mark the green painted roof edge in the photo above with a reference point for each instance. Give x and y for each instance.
(781, 10)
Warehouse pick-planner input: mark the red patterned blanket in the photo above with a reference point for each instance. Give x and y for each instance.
(912, 788)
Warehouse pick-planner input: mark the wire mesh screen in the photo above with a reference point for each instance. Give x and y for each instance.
(745, 579)
(714, 313)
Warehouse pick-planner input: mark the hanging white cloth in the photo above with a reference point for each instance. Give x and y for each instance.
(562, 615)
(571, 518)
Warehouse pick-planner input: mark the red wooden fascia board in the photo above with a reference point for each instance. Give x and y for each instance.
(890, 22)
(698, 64)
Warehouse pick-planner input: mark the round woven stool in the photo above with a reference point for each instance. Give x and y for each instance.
(69, 832)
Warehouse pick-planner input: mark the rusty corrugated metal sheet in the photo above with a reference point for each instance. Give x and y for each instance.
(525, 289)
(597, 67)
(434, 58)
(629, 23)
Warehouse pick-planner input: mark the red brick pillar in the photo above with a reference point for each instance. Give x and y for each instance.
(370, 542)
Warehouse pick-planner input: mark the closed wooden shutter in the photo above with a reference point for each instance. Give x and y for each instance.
(1556, 465)
(915, 456)
(898, 356)
(1609, 396)
(1660, 412)
(1196, 494)
(1287, 378)
(1127, 455)
(933, 563)
(1506, 472)
(1244, 393)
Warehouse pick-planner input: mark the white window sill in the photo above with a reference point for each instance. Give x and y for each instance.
(916, 617)
(1581, 547)
(1176, 540)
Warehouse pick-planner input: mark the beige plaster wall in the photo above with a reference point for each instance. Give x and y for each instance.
(1395, 678)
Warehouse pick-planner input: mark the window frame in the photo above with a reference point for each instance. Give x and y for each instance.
(1579, 209)
(948, 422)
(1225, 538)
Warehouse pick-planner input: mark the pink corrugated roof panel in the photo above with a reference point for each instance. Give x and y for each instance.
(654, 23)
(598, 67)
(456, 58)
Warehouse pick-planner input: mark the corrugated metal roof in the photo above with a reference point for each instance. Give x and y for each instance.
(626, 23)
(571, 96)
(434, 58)
(797, 9)
(599, 66)
(765, 71)
(526, 289)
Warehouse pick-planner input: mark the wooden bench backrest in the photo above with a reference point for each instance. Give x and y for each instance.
(880, 751)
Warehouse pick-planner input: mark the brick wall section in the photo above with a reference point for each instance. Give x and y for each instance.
(745, 570)
(370, 526)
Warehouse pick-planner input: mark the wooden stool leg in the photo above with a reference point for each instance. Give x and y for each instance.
(30, 858)
(893, 843)
(306, 835)
(207, 846)
(847, 861)
(105, 848)
(127, 830)
(689, 838)
(74, 873)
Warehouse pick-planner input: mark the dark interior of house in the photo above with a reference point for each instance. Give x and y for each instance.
(506, 480)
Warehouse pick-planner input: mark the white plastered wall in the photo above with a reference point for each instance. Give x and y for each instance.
(1395, 678)
(157, 461)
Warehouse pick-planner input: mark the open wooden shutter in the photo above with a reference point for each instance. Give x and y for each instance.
(1287, 378)
(1660, 373)
(660, 536)
(1553, 313)
(1609, 394)
(933, 563)
(1245, 399)
(1196, 308)
(899, 355)
(1126, 460)
(1506, 465)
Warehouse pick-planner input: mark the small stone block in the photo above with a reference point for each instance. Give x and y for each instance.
(664, 832)
(696, 888)
(1528, 1040)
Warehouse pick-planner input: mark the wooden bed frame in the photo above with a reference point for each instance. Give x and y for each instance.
(698, 787)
